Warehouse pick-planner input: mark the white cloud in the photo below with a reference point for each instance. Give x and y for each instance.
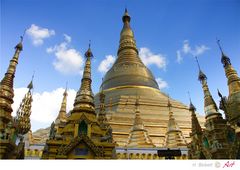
(187, 49)
(200, 50)
(68, 60)
(67, 38)
(179, 57)
(46, 105)
(106, 63)
(161, 83)
(38, 34)
(149, 58)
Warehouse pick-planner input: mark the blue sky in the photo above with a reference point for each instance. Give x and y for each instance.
(162, 29)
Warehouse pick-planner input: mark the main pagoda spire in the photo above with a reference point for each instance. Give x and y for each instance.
(6, 88)
(128, 69)
(84, 100)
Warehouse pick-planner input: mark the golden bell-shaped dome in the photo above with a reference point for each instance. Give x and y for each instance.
(128, 69)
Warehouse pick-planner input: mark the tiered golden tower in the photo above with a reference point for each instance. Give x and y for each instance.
(218, 140)
(81, 136)
(62, 115)
(13, 129)
(174, 137)
(138, 136)
(231, 107)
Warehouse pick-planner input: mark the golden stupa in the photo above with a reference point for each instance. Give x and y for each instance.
(133, 118)
(129, 82)
(129, 78)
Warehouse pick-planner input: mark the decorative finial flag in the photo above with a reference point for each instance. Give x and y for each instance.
(189, 97)
(66, 85)
(219, 45)
(22, 36)
(197, 63)
(33, 75)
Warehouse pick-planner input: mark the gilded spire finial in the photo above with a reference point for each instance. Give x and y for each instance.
(126, 11)
(225, 60)
(89, 54)
(126, 17)
(30, 85)
(19, 46)
(191, 107)
(201, 75)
